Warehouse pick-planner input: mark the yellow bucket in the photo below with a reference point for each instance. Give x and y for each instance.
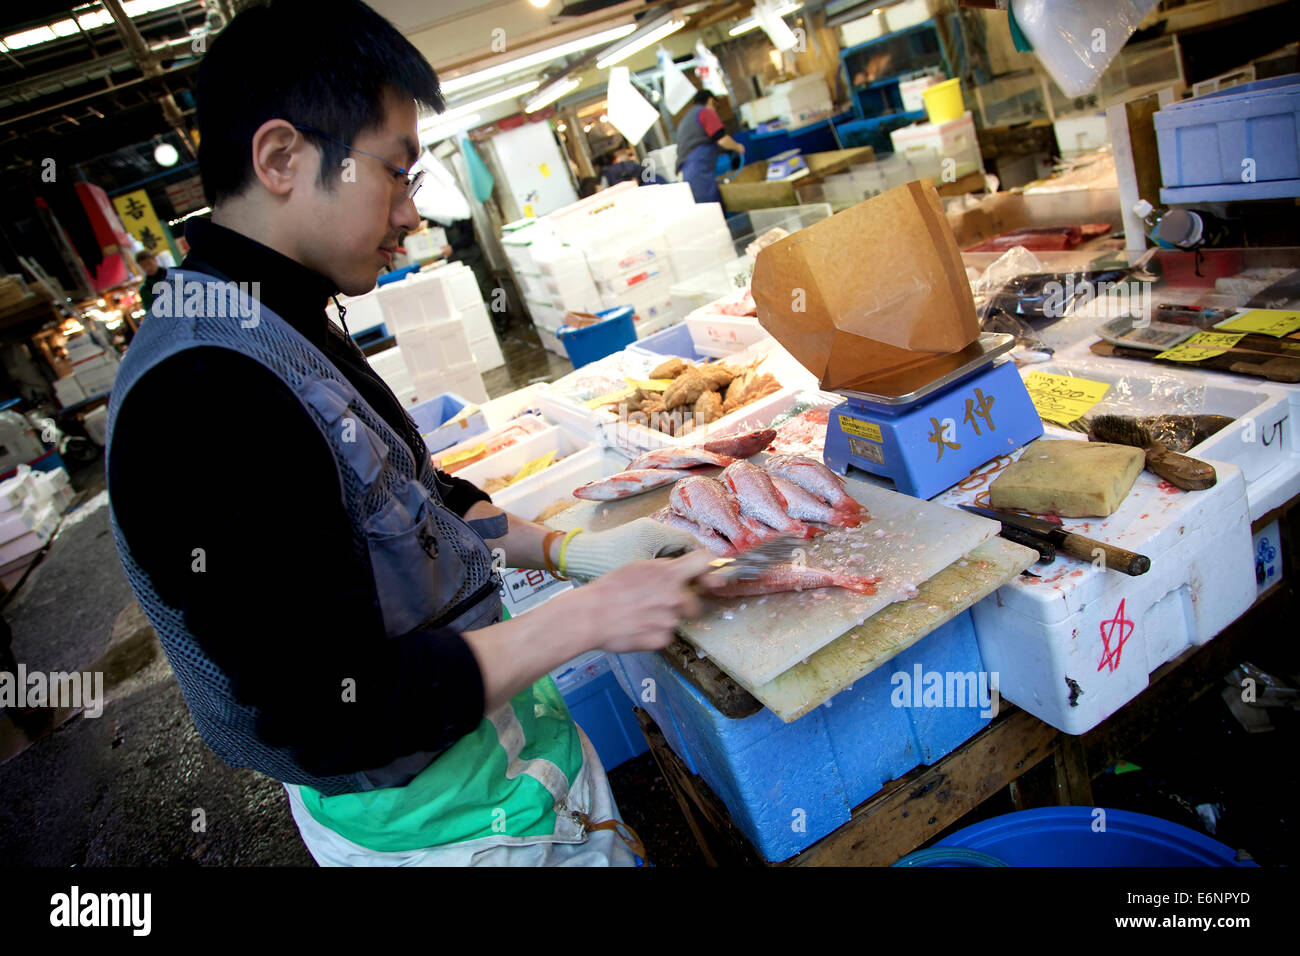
(943, 101)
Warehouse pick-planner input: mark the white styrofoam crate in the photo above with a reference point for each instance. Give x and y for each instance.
(648, 327)
(719, 335)
(436, 347)
(509, 460)
(516, 430)
(551, 342)
(500, 410)
(1076, 642)
(463, 286)
(621, 285)
(620, 256)
(1272, 468)
(13, 491)
(487, 353)
(465, 380)
(478, 322)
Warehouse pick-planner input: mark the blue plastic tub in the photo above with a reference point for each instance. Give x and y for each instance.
(615, 333)
(813, 772)
(397, 275)
(1073, 836)
(602, 710)
(439, 410)
(674, 340)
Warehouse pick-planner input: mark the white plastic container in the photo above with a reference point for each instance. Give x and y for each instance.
(14, 491)
(520, 429)
(435, 347)
(912, 90)
(1076, 642)
(1076, 42)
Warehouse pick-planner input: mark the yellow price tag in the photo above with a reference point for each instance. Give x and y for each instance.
(545, 170)
(533, 467)
(528, 211)
(1274, 322)
(465, 455)
(651, 384)
(610, 398)
(1201, 346)
(1062, 398)
(852, 426)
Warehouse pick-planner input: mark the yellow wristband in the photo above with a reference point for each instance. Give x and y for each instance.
(564, 547)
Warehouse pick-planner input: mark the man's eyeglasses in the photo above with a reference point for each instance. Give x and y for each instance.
(412, 181)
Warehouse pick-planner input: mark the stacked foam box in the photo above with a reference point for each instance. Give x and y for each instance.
(698, 240)
(954, 140)
(30, 505)
(420, 312)
(362, 311)
(391, 367)
(94, 367)
(800, 100)
(467, 299)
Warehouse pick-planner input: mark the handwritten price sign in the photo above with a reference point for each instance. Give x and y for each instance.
(1061, 398)
(1201, 346)
(1274, 322)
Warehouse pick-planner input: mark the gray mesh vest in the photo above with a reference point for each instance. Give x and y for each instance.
(690, 134)
(428, 565)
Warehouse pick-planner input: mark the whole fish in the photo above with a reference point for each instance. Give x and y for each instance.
(804, 505)
(679, 458)
(759, 498)
(742, 446)
(795, 577)
(628, 483)
(708, 537)
(813, 476)
(708, 503)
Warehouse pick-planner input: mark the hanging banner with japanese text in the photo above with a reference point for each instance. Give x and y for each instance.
(141, 221)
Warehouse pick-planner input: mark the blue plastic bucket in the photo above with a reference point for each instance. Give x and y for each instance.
(585, 345)
(1065, 836)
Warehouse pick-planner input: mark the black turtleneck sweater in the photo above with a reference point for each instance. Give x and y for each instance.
(212, 451)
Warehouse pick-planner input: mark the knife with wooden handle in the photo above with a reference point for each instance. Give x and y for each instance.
(1075, 545)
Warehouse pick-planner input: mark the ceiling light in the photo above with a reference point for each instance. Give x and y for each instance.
(561, 128)
(539, 3)
(440, 131)
(166, 155)
(549, 94)
(473, 106)
(541, 57)
(751, 23)
(639, 41)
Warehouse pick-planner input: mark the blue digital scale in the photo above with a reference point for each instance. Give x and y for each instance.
(925, 437)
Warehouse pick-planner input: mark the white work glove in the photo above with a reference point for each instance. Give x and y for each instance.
(593, 553)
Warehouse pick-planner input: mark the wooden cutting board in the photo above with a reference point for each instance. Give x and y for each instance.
(756, 639)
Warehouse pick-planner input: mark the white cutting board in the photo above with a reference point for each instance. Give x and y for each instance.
(755, 639)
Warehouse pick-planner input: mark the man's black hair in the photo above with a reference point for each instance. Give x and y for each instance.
(318, 63)
(702, 97)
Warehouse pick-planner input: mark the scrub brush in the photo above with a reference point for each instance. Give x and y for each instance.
(1187, 473)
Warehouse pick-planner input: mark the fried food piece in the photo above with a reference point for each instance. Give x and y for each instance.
(708, 408)
(670, 368)
(757, 388)
(686, 388)
(719, 375)
(493, 485)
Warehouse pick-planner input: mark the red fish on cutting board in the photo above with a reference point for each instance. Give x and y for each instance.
(812, 475)
(804, 505)
(707, 536)
(759, 498)
(708, 503)
(742, 446)
(795, 577)
(628, 483)
(679, 458)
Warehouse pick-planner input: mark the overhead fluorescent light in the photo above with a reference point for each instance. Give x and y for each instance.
(553, 92)
(474, 106)
(639, 41)
(541, 57)
(440, 131)
(751, 23)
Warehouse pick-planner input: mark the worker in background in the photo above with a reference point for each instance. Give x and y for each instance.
(623, 167)
(154, 273)
(700, 141)
(328, 600)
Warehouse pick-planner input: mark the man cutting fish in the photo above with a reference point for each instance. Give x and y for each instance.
(326, 599)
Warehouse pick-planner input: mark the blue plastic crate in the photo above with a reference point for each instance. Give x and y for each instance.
(601, 709)
(397, 275)
(592, 342)
(674, 340)
(439, 410)
(1239, 143)
(789, 785)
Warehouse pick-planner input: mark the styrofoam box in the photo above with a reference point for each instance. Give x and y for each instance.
(1277, 429)
(1077, 134)
(68, 390)
(96, 423)
(478, 322)
(1077, 642)
(618, 257)
(685, 228)
(435, 347)
(649, 300)
(522, 428)
(571, 290)
(464, 380)
(954, 139)
(912, 91)
(718, 335)
(814, 771)
(17, 522)
(636, 279)
(462, 284)
(363, 311)
(487, 353)
(551, 342)
(46, 520)
(416, 302)
(648, 327)
(14, 490)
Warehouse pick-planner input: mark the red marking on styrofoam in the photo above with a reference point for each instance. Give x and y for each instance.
(1110, 656)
